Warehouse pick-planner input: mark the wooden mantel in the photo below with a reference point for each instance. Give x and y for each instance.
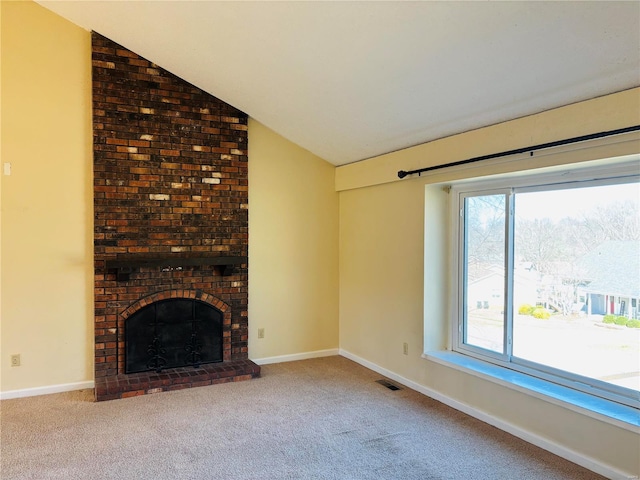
(126, 264)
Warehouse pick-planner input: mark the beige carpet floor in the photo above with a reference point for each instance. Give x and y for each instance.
(325, 418)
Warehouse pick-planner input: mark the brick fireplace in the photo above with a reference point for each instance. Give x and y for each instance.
(170, 222)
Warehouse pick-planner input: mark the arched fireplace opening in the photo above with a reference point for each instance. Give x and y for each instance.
(178, 332)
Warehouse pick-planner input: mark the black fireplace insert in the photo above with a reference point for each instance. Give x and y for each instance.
(171, 333)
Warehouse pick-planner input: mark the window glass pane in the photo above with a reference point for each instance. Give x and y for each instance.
(484, 272)
(577, 281)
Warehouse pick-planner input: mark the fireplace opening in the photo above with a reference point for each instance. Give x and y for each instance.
(171, 333)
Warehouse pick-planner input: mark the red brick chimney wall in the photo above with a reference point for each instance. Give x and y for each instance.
(170, 182)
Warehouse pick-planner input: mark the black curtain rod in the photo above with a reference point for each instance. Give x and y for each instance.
(404, 173)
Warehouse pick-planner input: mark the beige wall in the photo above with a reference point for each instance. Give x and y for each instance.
(394, 269)
(47, 266)
(293, 248)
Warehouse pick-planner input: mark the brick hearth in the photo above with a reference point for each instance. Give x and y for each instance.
(123, 386)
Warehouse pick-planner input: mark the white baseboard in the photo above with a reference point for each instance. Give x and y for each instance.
(32, 392)
(69, 387)
(296, 356)
(564, 452)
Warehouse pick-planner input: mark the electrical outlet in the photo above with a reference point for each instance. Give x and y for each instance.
(405, 348)
(261, 333)
(15, 360)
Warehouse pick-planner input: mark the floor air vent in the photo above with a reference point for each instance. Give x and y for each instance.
(388, 384)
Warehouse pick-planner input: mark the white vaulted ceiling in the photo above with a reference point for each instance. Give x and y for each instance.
(352, 80)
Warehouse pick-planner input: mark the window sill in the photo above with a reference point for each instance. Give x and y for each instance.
(605, 410)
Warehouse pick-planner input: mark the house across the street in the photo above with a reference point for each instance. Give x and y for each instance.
(613, 270)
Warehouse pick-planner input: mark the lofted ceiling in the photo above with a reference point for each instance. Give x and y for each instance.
(353, 80)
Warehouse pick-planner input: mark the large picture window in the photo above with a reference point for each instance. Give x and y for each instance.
(548, 278)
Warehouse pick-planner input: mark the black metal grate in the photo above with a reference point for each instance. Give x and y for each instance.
(173, 333)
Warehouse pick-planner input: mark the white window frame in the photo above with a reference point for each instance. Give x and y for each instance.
(566, 178)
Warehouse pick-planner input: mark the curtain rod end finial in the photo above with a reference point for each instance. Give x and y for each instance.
(402, 174)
